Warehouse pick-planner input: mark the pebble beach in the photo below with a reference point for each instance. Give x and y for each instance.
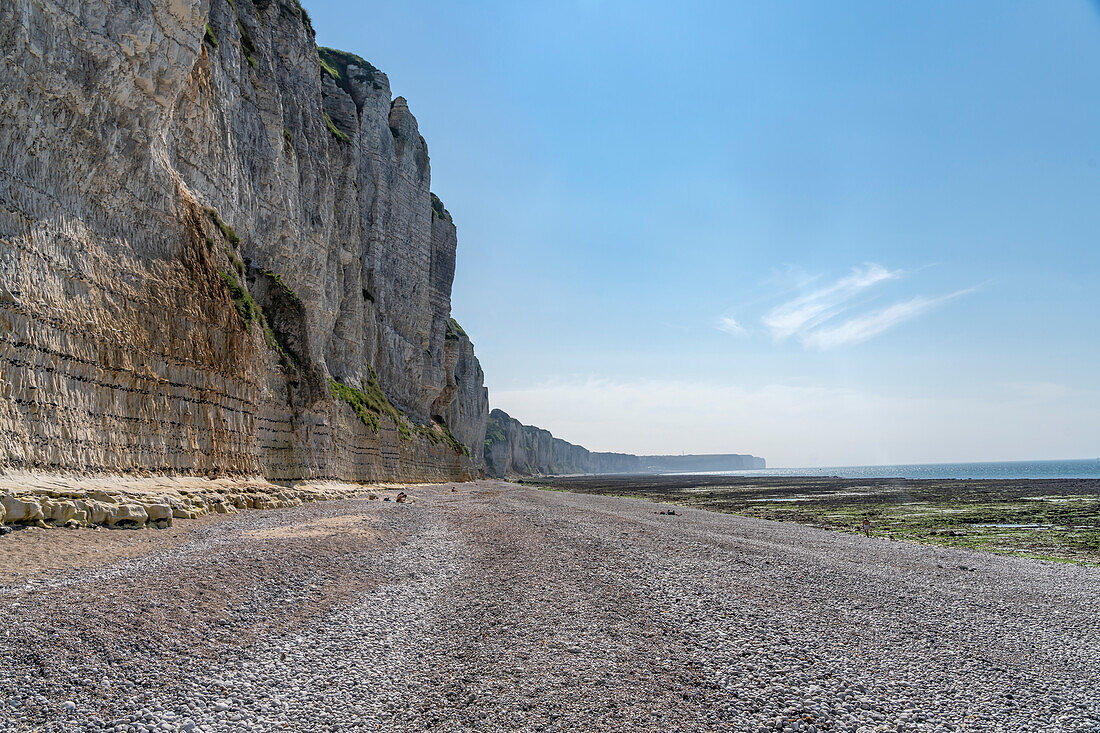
(494, 607)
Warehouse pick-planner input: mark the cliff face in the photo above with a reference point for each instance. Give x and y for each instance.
(219, 253)
(515, 449)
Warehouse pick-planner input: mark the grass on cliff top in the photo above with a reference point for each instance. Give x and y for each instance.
(438, 209)
(335, 63)
(454, 331)
(295, 8)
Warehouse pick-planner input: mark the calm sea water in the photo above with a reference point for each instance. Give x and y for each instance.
(1005, 469)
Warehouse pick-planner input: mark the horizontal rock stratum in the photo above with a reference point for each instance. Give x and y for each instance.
(219, 254)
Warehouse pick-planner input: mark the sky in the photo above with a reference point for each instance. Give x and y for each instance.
(822, 233)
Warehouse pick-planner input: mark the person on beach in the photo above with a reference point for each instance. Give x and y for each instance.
(867, 526)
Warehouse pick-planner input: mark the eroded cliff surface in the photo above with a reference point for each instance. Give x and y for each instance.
(515, 449)
(219, 253)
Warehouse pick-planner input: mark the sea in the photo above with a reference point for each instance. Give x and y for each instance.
(1085, 468)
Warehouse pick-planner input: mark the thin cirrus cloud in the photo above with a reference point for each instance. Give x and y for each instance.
(823, 319)
(869, 325)
(730, 326)
(804, 313)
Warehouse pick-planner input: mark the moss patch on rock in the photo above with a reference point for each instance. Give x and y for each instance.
(328, 68)
(370, 404)
(248, 46)
(242, 301)
(336, 132)
(226, 230)
(438, 209)
(454, 331)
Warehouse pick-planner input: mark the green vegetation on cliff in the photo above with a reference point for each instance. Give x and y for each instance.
(495, 432)
(439, 433)
(335, 63)
(336, 132)
(292, 9)
(250, 312)
(328, 68)
(247, 308)
(277, 282)
(248, 46)
(242, 301)
(225, 229)
(371, 403)
(454, 331)
(437, 206)
(233, 259)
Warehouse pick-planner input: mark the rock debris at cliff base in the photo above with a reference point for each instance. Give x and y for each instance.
(495, 607)
(134, 502)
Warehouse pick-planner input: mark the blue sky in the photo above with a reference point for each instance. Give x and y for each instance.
(824, 233)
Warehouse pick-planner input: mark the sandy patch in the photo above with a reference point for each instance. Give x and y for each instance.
(345, 526)
(35, 550)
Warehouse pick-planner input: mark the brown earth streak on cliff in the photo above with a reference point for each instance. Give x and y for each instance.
(161, 166)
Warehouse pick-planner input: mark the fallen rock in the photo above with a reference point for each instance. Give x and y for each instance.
(59, 511)
(127, 515)
(159, 512)
(21, 510)
(95, 512)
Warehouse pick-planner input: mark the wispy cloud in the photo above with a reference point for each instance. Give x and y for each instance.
(731, 326)
(804, 313)
(868, 325)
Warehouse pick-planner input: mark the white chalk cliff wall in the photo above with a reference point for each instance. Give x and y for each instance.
(219, 253)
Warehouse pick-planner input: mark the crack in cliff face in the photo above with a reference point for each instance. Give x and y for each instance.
(126, 125)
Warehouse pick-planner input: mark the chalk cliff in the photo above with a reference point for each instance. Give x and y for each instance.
(515, 449)
(219, 253)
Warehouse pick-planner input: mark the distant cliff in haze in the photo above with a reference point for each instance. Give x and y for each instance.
(515, 449)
